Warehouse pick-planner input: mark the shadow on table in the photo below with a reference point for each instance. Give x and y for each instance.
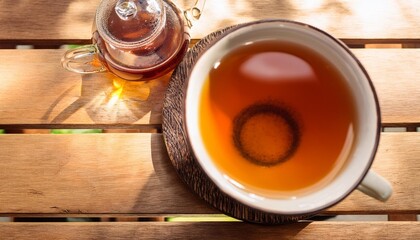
(164, 193)
(107, 99)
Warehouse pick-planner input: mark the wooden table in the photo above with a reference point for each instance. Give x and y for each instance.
(126, 174)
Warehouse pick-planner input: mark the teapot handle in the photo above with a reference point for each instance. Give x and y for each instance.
(83, 60)
(193, 14)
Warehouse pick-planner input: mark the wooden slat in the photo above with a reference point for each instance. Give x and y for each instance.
(50, 21)
(402, 217)
(131, 174)
(314, 230)
(36, 92)
(70, 20)
(104, 173)
(395, 75)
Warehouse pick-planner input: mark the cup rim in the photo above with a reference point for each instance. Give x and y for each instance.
(370, 87)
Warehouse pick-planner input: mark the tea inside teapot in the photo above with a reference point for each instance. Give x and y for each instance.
(133, 21)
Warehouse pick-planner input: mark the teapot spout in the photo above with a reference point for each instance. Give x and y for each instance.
(193, 14)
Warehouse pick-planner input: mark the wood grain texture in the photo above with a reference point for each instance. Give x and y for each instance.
(402, 217)
(354, 21)
(118, 174)
(314, 230)
(394, 86)
(47, 21)
(82, 174)
(36, 92)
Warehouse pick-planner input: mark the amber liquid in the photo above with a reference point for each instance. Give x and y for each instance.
(151, 60)
(277, 117)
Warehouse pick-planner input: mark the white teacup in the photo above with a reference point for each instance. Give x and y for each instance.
(353, 174)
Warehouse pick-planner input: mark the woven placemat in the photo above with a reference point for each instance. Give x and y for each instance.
(181, 154)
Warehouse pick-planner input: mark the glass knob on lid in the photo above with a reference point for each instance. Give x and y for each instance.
(130, 23)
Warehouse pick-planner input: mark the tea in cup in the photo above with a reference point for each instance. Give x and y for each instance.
(283, 118)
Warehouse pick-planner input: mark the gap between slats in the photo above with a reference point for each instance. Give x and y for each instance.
(207, 230)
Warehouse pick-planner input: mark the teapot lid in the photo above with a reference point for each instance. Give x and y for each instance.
(130, 23)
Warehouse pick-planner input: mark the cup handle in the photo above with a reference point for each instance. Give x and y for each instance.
(376, 186)
(83, 60)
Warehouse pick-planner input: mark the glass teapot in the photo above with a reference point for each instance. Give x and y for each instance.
(135, 39)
